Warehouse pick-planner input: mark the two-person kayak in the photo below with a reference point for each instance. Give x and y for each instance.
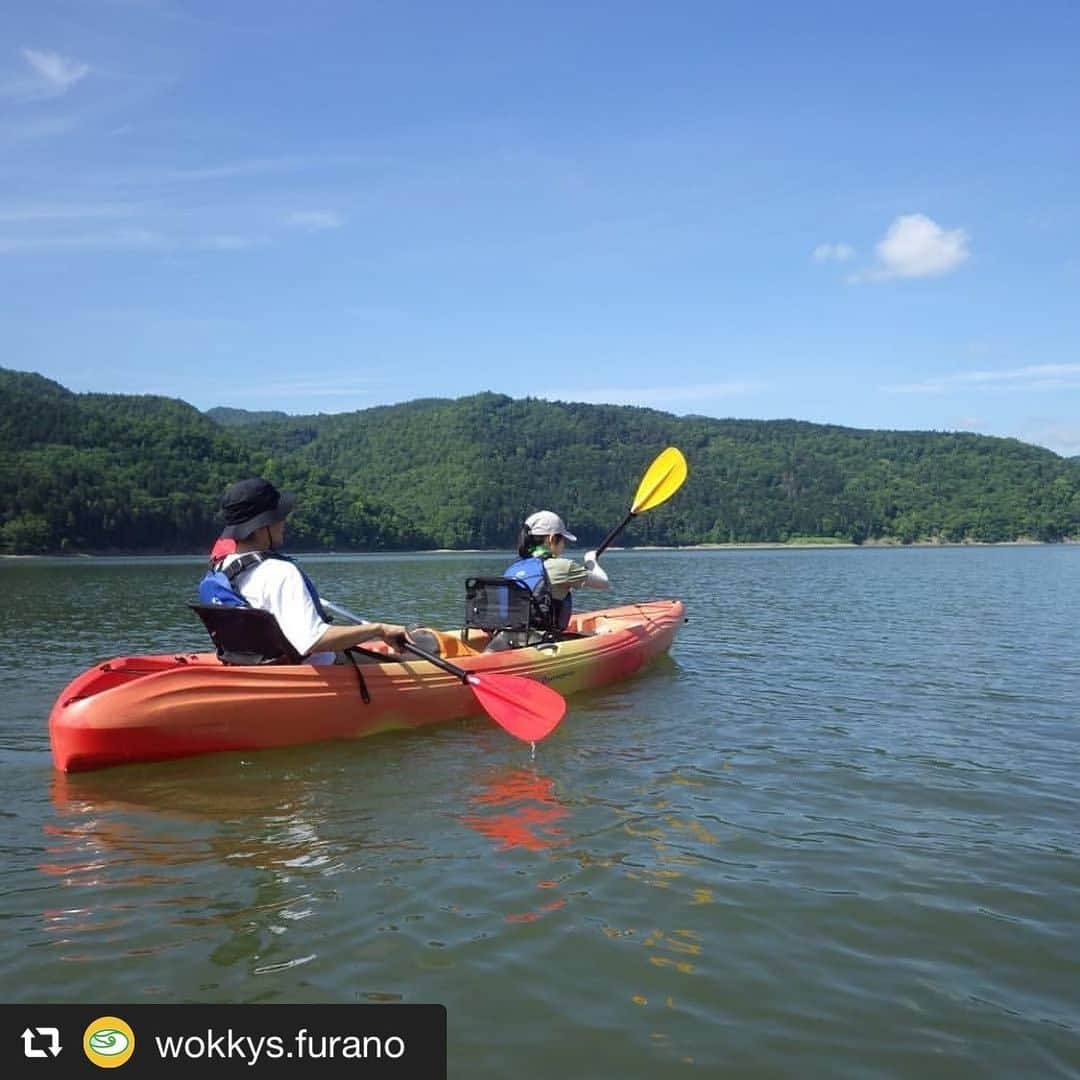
(156, 707)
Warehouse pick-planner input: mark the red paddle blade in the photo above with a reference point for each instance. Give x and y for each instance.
(524, 707)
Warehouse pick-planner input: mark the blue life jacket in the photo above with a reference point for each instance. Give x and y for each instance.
(217, 589)
(549, 612)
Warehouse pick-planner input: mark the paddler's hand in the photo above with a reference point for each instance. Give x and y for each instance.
(597, 579)
(394, 635)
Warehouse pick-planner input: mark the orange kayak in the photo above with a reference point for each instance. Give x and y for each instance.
(156, 707)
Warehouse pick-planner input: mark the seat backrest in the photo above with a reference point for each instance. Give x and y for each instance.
(245, 635)
(499, 604)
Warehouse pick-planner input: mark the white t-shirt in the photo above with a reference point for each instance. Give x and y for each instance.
(277, 586)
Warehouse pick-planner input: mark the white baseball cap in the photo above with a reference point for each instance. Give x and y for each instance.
(545, 523)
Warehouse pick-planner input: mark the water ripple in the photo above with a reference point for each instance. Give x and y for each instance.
(834, 834)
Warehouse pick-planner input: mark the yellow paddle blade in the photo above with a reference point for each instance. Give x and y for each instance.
(665, 476)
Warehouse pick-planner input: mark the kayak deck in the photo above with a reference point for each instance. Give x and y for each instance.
(156, 707)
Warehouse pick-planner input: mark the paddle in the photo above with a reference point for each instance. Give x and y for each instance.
(664, 477)
(524, 707)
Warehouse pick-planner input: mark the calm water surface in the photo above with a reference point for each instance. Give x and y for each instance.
(834, 834)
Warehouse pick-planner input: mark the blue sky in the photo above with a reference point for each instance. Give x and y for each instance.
(846, 213)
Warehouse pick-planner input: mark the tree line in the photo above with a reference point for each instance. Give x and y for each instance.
(126, 473)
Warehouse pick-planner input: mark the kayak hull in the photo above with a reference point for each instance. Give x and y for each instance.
(156, 707)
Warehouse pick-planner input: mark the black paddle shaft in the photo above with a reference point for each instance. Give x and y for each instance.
(606, 542)
(404, 644)
(431, 658)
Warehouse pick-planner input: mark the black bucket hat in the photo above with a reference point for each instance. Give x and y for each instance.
(251, 504)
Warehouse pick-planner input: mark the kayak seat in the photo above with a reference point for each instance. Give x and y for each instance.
(246, 636)
(506, 609)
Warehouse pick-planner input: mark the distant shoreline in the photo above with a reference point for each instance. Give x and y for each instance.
(802, 546)
(764, 545)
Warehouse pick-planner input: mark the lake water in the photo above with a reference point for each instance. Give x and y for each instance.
(834, 834)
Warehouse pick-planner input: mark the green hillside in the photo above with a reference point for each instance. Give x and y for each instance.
(98, 472)
(236, 417)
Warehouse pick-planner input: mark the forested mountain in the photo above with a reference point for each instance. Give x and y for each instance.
(102, 472)
(227, 417)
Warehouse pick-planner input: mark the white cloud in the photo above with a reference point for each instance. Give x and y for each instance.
(1031, 377)
(833, 253)
(315, 220)
(56, 74)
(915, 246)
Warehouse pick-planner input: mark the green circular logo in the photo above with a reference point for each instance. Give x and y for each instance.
(109, 1042)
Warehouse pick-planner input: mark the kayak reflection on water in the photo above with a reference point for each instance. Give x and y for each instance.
(526, 810)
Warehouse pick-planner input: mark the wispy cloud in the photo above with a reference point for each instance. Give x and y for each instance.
(24, 212)
(315, 220)
(1031, 377)
(25, 128)
(1062, 438)
(915, 246)
(336, 388)
(227, 171)
(51, 75)
(231, 242)
(154, 224)
(833, 253)
(57, 70)
(230, 170)
(969, 423)
(115, 240)
(135, 240)
(657, 395)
